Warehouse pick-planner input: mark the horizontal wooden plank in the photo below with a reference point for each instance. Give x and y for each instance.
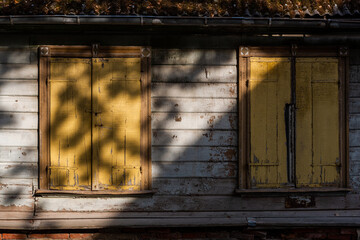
(18, 154)
(190, 203)
(156, 203)
(206, 154)
(17, 203)
(306, 222)
(354, 105)
(225, 221)
(194, 186)
(193, 73)
(14, 120)
(355, 183)
(194, 90)
(354, 168)
(186, 105)
(354, 74)
(50, 224)
(18, 71)
(18, 181)
(354, 154)
(194, 169)
(354, 138)
(15, 189)
(354, 121)
(18, 104)
(18, 138)
(18, 87)
(182, 222)
(213, 121)
(193, 138)
(18, 170)
(354, 90)
(194, 56)
(15, 55)
(294, 213)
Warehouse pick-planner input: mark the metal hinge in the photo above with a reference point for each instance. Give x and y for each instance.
(44, 51)
(244, 51)
(95, 49)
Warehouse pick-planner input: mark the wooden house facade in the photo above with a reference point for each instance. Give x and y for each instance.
(152, 121)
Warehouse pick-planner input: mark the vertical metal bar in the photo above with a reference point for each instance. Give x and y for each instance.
(292, 121)
(92, 122)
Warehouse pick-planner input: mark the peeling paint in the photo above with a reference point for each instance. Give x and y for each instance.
(230, 154)
(232, 91)
(300, 202)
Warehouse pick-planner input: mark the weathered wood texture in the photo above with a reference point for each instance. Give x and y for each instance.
(190, 203)
(18, 87)
(18, 104)
(12, 120)
(18, 154)
(354, 120)
(18, 128)
(194, 148)
(18, 71)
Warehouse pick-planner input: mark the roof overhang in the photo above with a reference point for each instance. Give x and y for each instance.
(233, 22)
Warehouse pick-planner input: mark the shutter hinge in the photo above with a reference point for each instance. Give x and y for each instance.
(247, 83)
(140, 169)
(95, 50)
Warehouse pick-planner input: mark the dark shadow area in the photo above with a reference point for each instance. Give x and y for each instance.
(209, 8)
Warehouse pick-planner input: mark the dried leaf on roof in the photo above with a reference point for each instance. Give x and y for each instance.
(210, 8)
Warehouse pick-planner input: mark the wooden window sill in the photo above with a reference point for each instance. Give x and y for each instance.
(287, 191)
(142, 193)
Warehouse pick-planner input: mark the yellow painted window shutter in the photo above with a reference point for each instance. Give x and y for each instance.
(70, 124)
(116, 123)
(270, 91)
(95, 123)
(317, 122)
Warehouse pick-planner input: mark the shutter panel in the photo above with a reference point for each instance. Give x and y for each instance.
(317, 122)
(116, 123)
(70, 124)
(270, 91)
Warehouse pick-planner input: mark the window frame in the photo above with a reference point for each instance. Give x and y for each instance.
(94, 51)
(292, 52)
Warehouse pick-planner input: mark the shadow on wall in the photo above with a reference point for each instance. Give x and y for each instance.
(18, 128)
(194, 140)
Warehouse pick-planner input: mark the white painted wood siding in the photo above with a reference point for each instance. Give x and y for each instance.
(354, 124)
(18, 128)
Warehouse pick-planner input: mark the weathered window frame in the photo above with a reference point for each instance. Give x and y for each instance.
(45, 53)
(292, 52)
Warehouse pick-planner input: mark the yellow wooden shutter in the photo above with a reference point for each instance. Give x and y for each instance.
(70, 123)
(116, 123)
(317, 122)
(270, 91)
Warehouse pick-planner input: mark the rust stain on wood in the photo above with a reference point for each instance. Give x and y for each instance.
(300, 202)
